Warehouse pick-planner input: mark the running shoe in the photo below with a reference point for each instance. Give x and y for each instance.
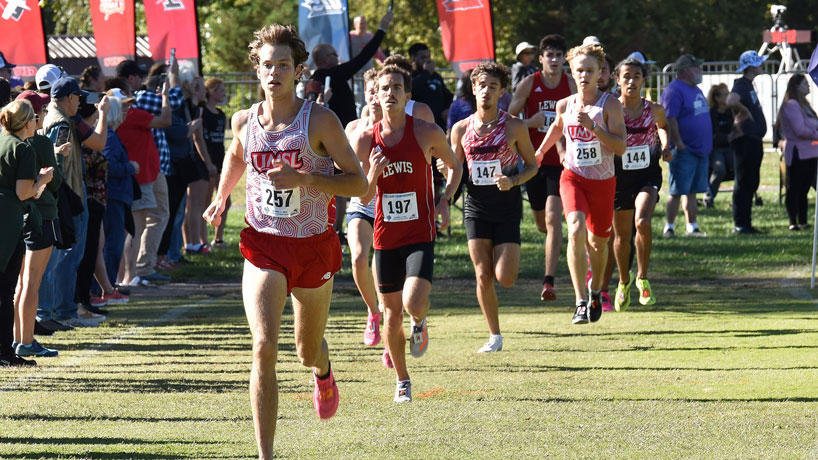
(114, 297)
(623, 294)
(668, 233)
(696, 233)
(386, 359)
(419, 341)
(548, 294)
(403, 391)
(581, 314)
(218, 245)
(14, 360)
(40, 329)
(607, 305)
(495, 343)
(98, 301)
(595, 307)
(156, 277)
(325, 396)
(84, 313)
(93, 309)
(645, 292)
(372, 334)
(35, 349)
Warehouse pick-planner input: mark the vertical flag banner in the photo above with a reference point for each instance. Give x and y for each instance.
(23, 42)
(114, 32)
(324, 21)
(173, 24)
(466, 32)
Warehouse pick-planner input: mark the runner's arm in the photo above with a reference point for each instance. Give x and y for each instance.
(232, 169)
(435, 142)
(615, 138)
(516, 107)
(423, 112)
(526, 150)
(362, 145)
(661, 123)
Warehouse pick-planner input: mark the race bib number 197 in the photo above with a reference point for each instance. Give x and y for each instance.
(399, 207)
(279, 203)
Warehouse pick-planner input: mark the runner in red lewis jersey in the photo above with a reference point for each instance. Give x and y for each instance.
(536, 98)
(287, 146)
(400, 176)
(492, 143)
(593, 126)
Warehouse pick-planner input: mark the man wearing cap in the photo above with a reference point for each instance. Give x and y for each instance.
(152, 101)
(5, 72)
(523, 67)
(688, 117)
(749, 127)
(59, 280)
(46, 76)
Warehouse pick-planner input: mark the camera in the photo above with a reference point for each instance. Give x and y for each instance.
(777, 12)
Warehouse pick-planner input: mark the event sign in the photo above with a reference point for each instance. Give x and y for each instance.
(173, 24)
(324, 21)
(23, 42)
(114, 32)
(466, 31)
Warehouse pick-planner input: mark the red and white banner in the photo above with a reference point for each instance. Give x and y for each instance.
(114, 32)
(23, 41)
(466, 31)
(173, 24)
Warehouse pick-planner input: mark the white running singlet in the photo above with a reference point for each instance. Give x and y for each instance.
(584, 153)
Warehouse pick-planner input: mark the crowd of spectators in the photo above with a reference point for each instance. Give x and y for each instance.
(103, 182)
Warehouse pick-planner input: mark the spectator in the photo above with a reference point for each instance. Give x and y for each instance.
(92, 79)
(214, 123)
(723, 157)
(428, 86)
(358, 38)
(688, 118)
(120, 191)
(57, 292)
(799, 127)
(5, 92)
(750, 128)
(606, 81)
(197, 198)
(151, 101)
(523, 67)
(38, 243)
(327, 65)
(465, 104)
(5, 72)
(19, 181)
(46, 76)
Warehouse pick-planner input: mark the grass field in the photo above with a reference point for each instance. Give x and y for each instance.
(722, 367)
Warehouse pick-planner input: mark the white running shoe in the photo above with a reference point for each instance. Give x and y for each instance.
(403, 391)
(419, 340)
(495, 343)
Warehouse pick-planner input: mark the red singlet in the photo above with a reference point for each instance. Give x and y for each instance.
(544, 99)
(404, 206)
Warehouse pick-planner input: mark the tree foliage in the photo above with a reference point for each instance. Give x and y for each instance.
(714, 30)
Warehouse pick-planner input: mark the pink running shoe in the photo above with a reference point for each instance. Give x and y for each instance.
(606, 301)
(115, 297)
(386, 360)
(372, 334)
(325, 396)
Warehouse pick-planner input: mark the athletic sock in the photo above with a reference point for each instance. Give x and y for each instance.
(324, 377)
(669, 226)
(549, 279)
(692, 227)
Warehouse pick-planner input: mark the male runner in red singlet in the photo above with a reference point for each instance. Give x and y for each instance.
(413, 108)
(400, 172)
(536, 97)
(594, 130)
(638, 180)
(287, 146)
(492, 144)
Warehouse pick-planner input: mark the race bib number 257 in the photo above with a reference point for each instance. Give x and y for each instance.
(279, 203)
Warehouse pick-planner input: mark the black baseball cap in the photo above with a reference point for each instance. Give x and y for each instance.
(129, 67)
(66, 86)
(5, 64)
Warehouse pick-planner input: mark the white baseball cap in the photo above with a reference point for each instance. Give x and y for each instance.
(524, 46)
(47, 75)
(591, 40)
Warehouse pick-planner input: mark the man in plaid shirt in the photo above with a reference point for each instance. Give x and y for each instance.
(150, 100)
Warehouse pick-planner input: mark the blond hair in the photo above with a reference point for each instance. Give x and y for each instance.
(592, 50)
(15, 115)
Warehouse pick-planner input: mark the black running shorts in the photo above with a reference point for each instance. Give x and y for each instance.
(498, 232)
(544, 184)
(393, 266)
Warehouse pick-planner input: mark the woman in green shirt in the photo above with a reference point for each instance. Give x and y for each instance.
(39, 242)
(19, 181)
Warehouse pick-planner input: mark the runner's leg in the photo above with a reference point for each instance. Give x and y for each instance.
(310, 313)
(264, 293)
(553, 237)
(645, 204)
(393, 330)
(482, 255)
(577, 264)
(623, 227)
(359, 238)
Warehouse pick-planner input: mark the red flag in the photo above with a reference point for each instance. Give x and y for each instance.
(114, 32)
(23, 42)
(173, 24)
(466, 30)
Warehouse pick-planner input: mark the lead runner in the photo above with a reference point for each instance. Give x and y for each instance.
(288, 146)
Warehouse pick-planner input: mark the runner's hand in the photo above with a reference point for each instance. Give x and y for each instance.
(213, 213)
(504, 183)
(442, 210)
(442, 168)
(537, 121)
(284, 177)
(585, 120)
(377, 163)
